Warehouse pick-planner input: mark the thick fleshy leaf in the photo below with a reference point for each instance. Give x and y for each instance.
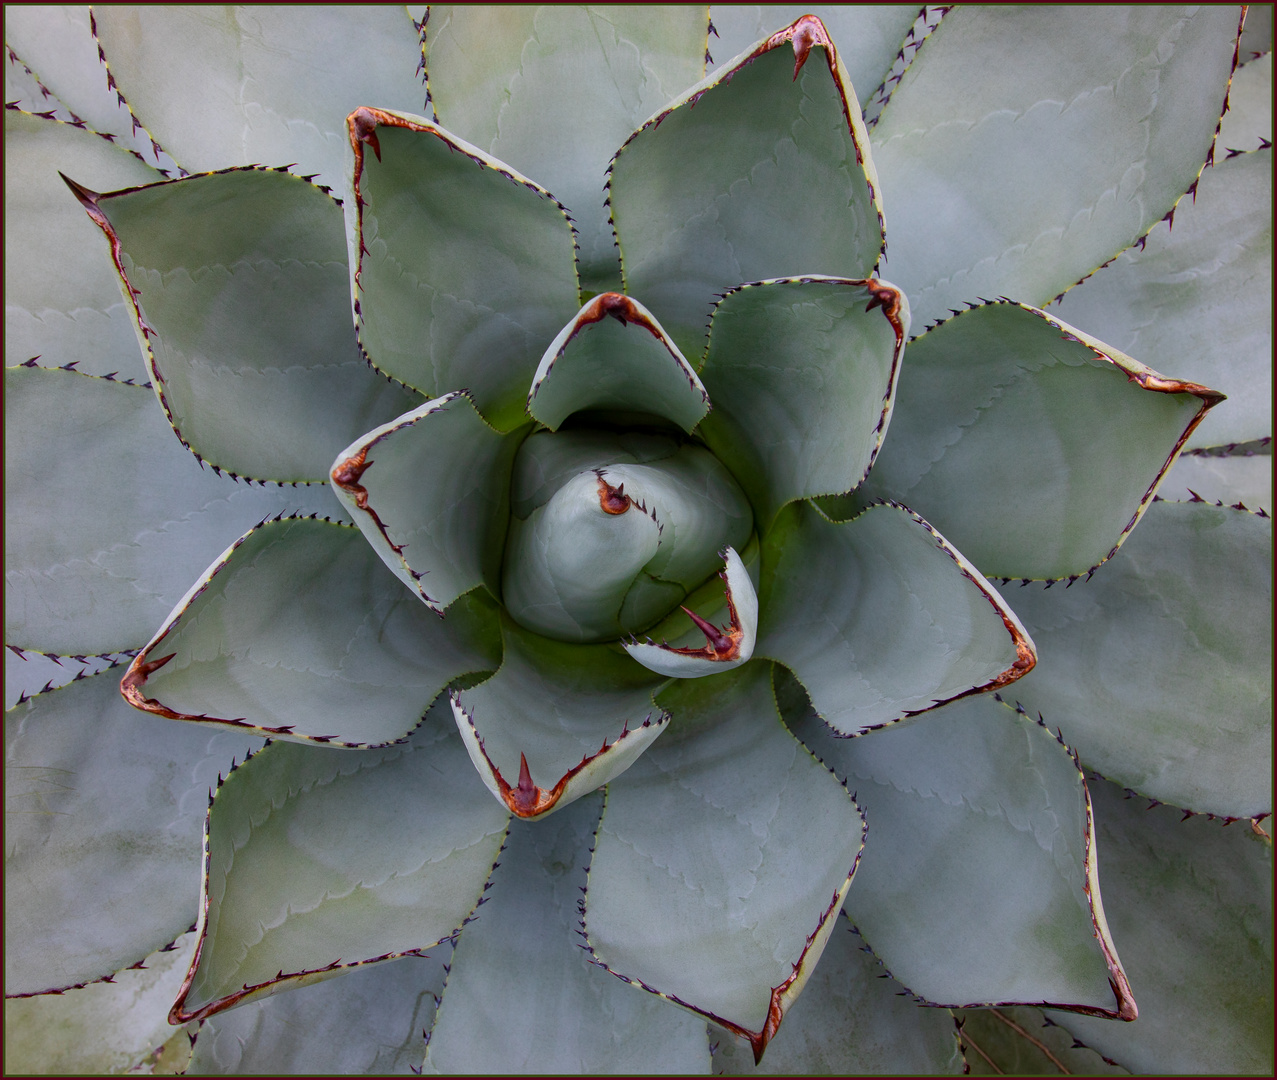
(1031, 445)
(801, 374)
(881, 618)
(617, 547)
(320, 860)
(1257, 34)
(62, 297)
(626, 362)
(1197, 300)
(94, 564)
(1021, 1041)
(1191, 903)
(555, 90)
(980, 886)
(268, 85)
(1248, 124)
(104, 811)
(1007, 149)
(1244, 478)
(105, 1027)
(240, 283)
(556, 721)
(523, 998)
(299, 631)
(851, 1020)
(727, 646)
(370, 1020)
(722, 858)
(1176, 639)
(57, 43)
(466, 269)
(435, 506)
(758, 171)
(867, 37)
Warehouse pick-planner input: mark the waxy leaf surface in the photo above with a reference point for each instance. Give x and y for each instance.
(1175, 637)
(104, 812)
(522, 996)
(1247, 479)
(1026, 145)
(300, 631)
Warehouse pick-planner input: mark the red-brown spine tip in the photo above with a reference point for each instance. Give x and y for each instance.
(613, 500)
(807, 32)
(363, 127)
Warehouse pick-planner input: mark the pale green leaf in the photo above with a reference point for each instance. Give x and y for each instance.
(722, 858)
(1249, 120)
(1032, 446)
(369, 1021)
(850, 1020)
(1257, 35)
(978, 885)
(867, 36)
(429, 491)
(104, 808)
(1191, 905)
(105, 1027)
(801, 375)
(320, 860)
(750, 174)
(522, 996)
(880, 618)
(1175, 637)
(554, 91)
(1244, 478)
(109, 517)
(1026, 145)
(62, 297)
(299, 631)
(571, 716)
(1197, 301)
(1023, 1042)
(241, 285)
(267, 85)
(624, 362)
(466, 269)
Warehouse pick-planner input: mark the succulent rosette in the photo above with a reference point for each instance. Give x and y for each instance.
(579, 572)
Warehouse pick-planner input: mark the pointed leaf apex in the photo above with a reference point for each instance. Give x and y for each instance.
(88, 198)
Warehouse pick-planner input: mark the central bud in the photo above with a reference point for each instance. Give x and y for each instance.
(610, 532)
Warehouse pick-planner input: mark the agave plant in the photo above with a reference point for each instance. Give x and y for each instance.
(602, 593)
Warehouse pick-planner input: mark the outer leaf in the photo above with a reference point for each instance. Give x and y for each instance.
(243, 85)
(435, 508)
(802, 380)
(105, 1027)
(1257, 36)
(1023, 1042)
(981, 885)
(1197, 300)
(881, 618)
(1205, 1004)
(1176, 640)
(292, 883)
(572, 716)
(752, 173)
(1248, 124)
(722, 858)
(867, 37)
(239, 281)
(555, 90)
(979, 144)
(521, 996)
(299, 631)
(594, 363)
(1031, 445)
(308, 1031)
(466, 269)
(1245, 479)
(93, 565)
(103, 819)
(851, 1019)
(62, 300)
